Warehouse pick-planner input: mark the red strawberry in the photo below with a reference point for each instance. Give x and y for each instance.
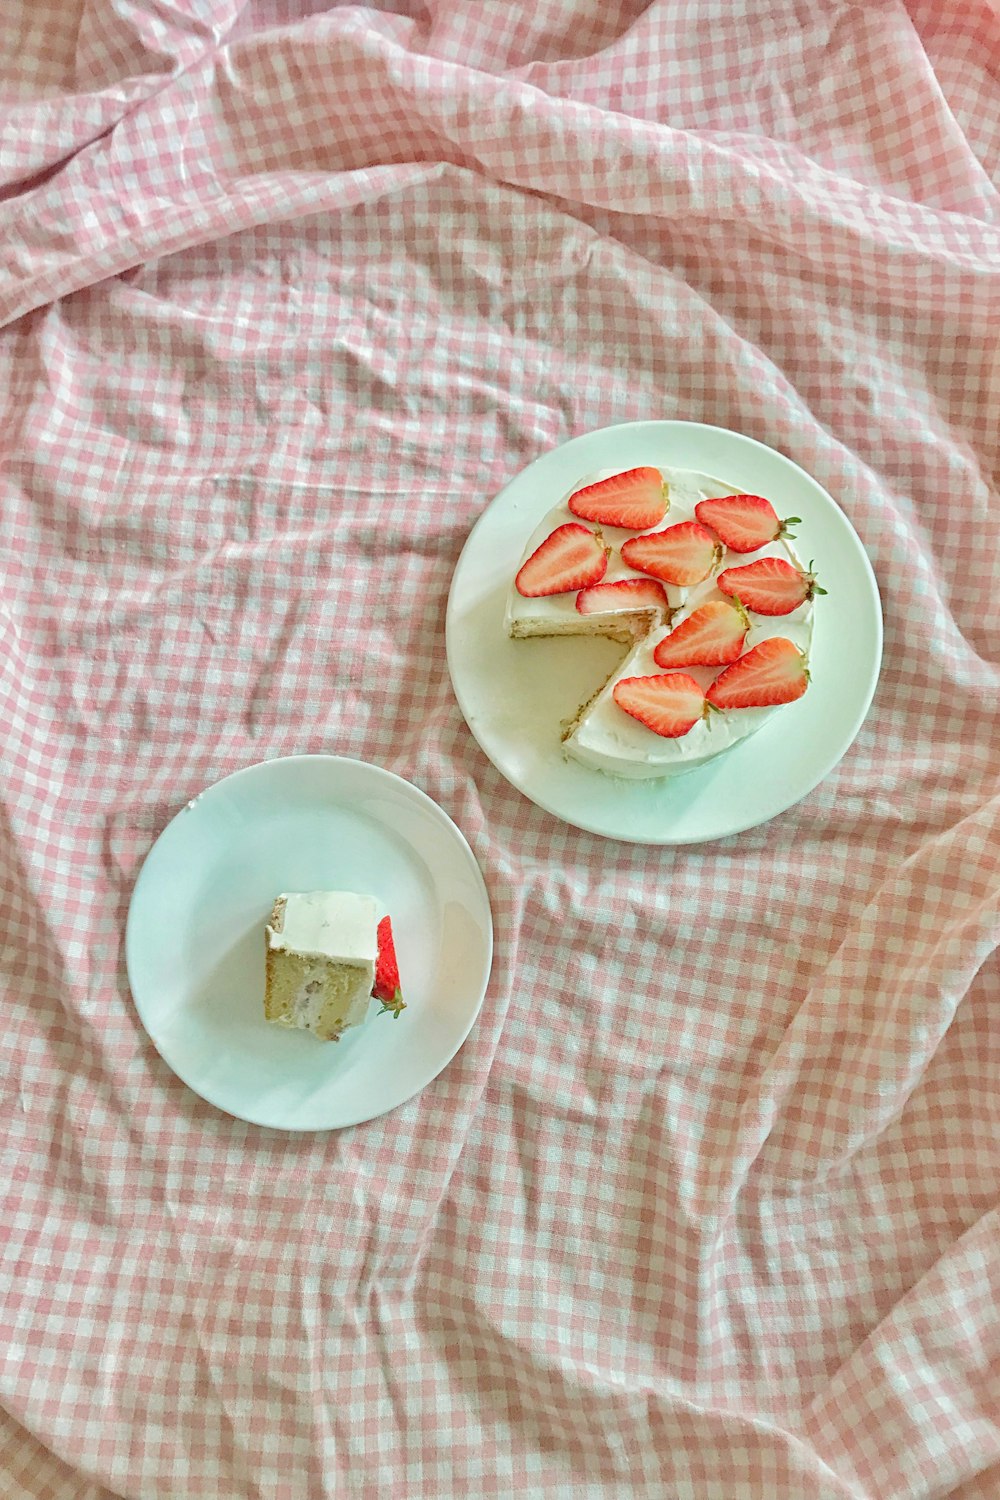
(637, 499)
(625, 593)
(773, 672)
(681, 554)
(711, 636)
(743, 522)
(668, 703)
(571, 557)
(769, 586)
(386, 986)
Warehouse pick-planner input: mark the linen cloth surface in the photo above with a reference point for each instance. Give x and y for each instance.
(706, 1205)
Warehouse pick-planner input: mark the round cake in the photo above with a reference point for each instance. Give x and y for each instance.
(699, 581)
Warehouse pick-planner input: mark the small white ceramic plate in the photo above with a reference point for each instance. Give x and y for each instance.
(515, 694)
(194, 941)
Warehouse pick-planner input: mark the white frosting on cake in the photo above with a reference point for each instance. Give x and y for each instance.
(339, 925)
(604, 737)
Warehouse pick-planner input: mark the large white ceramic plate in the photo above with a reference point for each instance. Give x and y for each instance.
(194, 941)
(514, 694)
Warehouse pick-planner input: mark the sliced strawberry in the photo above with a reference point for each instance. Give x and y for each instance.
(769, 586)
(636, 499)
(743, 522)
(668, 703)
(681, 554)
(711, 636)
(571, 557)
(773, 672)
(386, 987)
(624, 594)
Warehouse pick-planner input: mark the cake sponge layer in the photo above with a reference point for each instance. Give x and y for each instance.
(314, 994)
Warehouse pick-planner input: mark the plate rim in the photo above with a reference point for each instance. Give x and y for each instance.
(486, 927)
(666, 426)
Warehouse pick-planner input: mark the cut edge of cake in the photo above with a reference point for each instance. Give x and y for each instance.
(568, 727)
(626, 627)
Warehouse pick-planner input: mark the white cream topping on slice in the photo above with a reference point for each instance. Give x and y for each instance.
(339, 925)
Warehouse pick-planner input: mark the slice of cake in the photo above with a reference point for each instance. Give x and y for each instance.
(321, 952)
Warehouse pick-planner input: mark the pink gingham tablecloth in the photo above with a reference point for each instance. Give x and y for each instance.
(706, 1206)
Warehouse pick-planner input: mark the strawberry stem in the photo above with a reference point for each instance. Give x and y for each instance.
(814, 587)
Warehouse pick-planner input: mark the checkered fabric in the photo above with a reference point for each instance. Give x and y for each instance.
(706, 1208)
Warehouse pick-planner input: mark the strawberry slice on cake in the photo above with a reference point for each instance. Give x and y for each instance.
(771, 673)
(744, 523)
(770, 586)
(668, 703)
(683, 554)
(636, 499)
(625, 593)
(711, 636)
(572, 557)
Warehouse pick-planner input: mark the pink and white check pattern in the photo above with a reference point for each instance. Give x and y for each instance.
(707, 1206)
